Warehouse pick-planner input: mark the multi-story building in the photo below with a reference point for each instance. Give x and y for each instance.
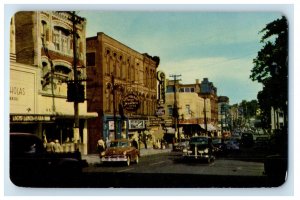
(119, 76)
(209, 92)
(224, 116)
(194, 111)
(42, 63)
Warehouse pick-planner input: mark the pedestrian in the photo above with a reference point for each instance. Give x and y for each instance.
(57, 147)
(100, 146)
(45, 141)
(135, 144)
(107, 141)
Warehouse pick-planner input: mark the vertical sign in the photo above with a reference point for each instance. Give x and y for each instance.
(161, 92)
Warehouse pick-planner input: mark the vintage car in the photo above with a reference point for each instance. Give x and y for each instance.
(31, 163)
(219, 147)
(120, 150)
(232, 145)
(200, 148)
(182, 144)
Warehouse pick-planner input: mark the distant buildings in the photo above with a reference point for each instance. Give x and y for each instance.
(224, 117)
(197, 107)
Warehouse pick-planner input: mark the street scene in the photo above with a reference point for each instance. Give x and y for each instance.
(101, 100)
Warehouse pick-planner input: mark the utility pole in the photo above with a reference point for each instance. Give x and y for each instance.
(75, 20)
(205, 120)
(175, 108)
(114, 104)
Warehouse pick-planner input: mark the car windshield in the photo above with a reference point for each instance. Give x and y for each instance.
(199, 140)
(119, 144)
(217, 141)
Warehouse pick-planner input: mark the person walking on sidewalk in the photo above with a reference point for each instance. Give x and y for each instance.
(100, 146)
(135, 144)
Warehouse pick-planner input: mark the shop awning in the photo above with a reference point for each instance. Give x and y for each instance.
(170, 130)
(81, 116)
(210, 127)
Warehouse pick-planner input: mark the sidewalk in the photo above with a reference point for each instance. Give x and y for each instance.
(93, 159)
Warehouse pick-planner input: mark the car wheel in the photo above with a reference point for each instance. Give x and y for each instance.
(137, 159)
(208, 160)
(128, 160)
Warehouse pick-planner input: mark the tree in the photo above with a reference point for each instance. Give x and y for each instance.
(271, 68)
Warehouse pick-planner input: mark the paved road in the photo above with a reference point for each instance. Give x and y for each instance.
(167, 170)
(173, 164)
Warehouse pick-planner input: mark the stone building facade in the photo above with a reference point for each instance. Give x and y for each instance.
(41, 63)
(195, 108)
(114, 72)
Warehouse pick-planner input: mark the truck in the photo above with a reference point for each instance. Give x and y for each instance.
(30, 163)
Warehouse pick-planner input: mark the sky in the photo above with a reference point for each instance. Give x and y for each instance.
(219, 46)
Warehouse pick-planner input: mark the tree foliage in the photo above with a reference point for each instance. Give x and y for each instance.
(271, 68)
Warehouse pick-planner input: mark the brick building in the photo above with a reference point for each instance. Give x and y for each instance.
(115, 72)
(41, 63)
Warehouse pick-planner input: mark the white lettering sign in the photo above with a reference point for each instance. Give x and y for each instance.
(22, 92)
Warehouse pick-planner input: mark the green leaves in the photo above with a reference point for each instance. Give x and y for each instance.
(271, 67)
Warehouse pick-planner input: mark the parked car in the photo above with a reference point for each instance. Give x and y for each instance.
(179, 146)
(219, 147)
(29, 161)
(262, 142)
(232, 144)
(247, 139)
(120, 150)
(200, 148)
(276, 168)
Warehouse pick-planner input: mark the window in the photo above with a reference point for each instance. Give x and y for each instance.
(170, 110)
(61, 40)
(170, 89)
(43, 28)
(187, 109)
(56, 40)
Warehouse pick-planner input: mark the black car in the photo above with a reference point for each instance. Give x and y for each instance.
(247, 139)
(200, 148)
(219, 147)
(262, 142)
(30, 162)
(182, 144)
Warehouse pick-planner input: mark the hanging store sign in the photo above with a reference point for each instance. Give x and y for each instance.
(136, 124)
(131, 103)
(111, 125)
(161, 87)
(160, 111)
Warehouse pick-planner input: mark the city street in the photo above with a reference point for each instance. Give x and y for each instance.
(173, 163)
(168, 170)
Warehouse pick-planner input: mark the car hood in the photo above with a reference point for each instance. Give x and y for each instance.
(199, 146)
(117, 150)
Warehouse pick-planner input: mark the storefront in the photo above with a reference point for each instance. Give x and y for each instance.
(112, 131)
(49, 117)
